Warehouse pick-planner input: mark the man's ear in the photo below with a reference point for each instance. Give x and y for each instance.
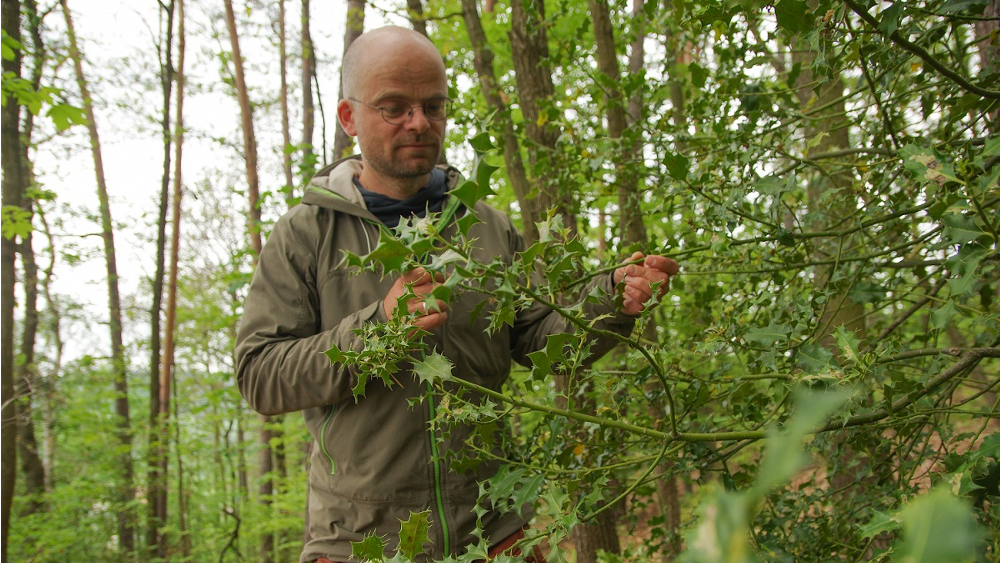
(345, 113)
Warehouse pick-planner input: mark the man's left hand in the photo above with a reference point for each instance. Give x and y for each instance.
(637, 277)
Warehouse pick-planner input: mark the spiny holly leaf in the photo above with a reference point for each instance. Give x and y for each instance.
(960, 228)
(814, 358)
(470, 192)
(792, 16)
(371, 549)
(482, 143)
(769, 335)
(881, 522)
(849, 345)
(433, 368)
(413, 534)
(938, 528)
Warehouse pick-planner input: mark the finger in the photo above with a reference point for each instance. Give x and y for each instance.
(666, 265)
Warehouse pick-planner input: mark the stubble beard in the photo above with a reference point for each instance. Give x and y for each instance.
(388, 166)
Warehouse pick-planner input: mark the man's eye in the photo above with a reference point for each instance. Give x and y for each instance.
(434, 109)
(394, 109)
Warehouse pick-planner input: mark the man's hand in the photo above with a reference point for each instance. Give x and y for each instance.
(636, 280)
(422, 283)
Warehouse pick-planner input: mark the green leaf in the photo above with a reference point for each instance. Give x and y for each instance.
(371, 548)
(880, 523)
(677, 165)
(815, 359)
(849, 344)
(65, 116)
(770, 185)
(433, 368)
(938, 528)
(783, 453)
(769, 335)
(967, 6)
(482, 143)
(941, 317)
(890, 18)
(413, 534)
(15, 222)
(793, 16)
(961, 228)
(470, 192)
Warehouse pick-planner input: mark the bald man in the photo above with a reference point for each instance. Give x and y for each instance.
(377, 459)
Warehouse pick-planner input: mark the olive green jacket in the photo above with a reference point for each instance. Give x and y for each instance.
(376, 459)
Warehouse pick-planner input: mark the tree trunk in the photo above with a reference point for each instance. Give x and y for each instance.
(156, 510)
(989, 50)
(27, 381)
(13, 186)
(126, 488)
(308, 166)
(50, 379)
(530, 51)
(267, 433)
(286, 135)
(415, 13)
(342, 142)
(516, 175)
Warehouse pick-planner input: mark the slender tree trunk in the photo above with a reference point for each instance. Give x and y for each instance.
(530, 51)
(27, 381)
(167, 364)
(156, 510)
(308, 166)
(50, 379)
(126, 488)
(355, 26)
(286, 135)
(12, 186)
(267, 433)
(516, 175)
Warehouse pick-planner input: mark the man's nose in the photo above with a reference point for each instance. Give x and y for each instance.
(417, 121)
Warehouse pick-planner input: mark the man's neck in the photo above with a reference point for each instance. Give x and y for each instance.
(396, 188)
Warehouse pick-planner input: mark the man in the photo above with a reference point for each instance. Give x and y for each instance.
(376, 459)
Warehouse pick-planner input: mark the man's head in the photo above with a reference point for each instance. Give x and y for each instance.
(386, 68)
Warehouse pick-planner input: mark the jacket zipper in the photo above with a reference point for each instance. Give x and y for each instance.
(438, 495)
(322, 443)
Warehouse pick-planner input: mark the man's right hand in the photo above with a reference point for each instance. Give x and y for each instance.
(422, 283)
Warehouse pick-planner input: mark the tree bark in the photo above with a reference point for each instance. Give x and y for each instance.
(28, 379)
(126, 488)
(266, 434)
(530, 51)
(343, 144)
(156, 510)
(308, 167)
(516, 174)
(12, 188)
(286, 135)
(989, 50)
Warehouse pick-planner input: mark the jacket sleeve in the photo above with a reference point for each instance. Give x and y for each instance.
(533, 325)
(280, 362)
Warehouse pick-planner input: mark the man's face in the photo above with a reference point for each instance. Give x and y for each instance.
(411, 149)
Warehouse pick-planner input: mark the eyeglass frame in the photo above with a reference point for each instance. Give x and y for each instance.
(409, 114)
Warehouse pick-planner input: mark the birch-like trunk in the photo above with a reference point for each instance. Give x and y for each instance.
(126, 486)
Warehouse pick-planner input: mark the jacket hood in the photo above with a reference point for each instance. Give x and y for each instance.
(333, 187)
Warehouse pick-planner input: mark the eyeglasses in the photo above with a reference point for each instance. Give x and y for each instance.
(398, 112)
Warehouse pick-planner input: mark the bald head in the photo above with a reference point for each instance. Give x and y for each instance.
(377, 46)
